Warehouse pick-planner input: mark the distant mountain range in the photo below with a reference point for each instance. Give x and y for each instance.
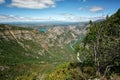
(43, 22)
(49, 24)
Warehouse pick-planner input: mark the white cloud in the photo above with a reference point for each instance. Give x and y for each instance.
(33, 4)
(12, 18)
(74, 18)
(82, 19)
(66, 14)
(68, 17)
(83, 8)
(2, 1)
(96, 9)
(84, 0)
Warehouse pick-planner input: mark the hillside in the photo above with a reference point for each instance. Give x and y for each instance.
(99, 52)
(27, 49)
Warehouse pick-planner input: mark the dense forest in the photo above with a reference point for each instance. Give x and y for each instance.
(99, 51)
(103, 40)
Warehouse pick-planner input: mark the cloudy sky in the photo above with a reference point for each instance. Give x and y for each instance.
(56, 10)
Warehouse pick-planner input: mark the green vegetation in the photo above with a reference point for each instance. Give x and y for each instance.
(22, 59)
(4, 27)
(99, 51)
(72, 71)
(19, 63)
(103, 40)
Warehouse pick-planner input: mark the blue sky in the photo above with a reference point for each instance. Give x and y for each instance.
(56, 10)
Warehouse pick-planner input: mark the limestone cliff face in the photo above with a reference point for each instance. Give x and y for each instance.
(63, 35)
(54, 37)
(18, 34)
(52, 44)
(13, 33)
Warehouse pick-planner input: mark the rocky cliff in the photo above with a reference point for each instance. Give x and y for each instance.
(21, 46)
(56, 36)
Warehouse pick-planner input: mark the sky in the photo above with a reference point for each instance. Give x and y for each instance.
(56, 10)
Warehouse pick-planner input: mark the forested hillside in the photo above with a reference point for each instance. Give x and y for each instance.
(99, 52)
(103, 40)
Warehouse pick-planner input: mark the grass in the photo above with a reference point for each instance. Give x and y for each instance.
(24, 63)
(24, 67)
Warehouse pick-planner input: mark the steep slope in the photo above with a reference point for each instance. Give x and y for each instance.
(22, 47)
(100, 51)
(104, 39)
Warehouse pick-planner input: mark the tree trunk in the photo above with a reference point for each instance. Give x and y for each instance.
(96, 56)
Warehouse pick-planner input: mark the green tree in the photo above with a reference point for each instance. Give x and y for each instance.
(103, 40)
